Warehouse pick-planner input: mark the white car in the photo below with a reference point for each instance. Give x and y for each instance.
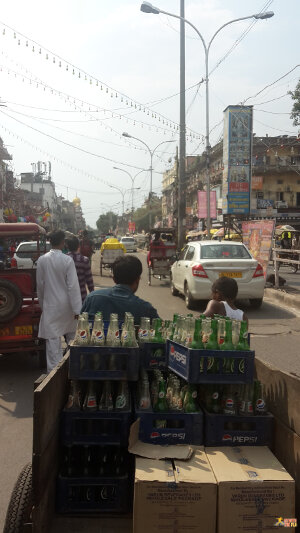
(129, 243)
(26, 254)
(199, 264)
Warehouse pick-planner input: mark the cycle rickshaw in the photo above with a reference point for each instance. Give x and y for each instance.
(161, 255)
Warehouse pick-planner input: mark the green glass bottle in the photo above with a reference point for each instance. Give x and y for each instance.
(161, 405)
(189, 404)
(243, 344)
(197, 343)
(227, 344)
(213, 338)
(158, 331)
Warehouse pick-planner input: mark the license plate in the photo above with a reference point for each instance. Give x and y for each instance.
(4, 332)
(23, 330)
(230, 274)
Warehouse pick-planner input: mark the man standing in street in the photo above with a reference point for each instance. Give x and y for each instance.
(59, 297)
(127, 271)
(86, 245)
(83, 267)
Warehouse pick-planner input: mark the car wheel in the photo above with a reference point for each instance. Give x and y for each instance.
(174, 291)
(256, 303)
(189, 300)
(10, 300)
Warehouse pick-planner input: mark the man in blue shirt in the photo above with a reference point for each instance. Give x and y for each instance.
(120, 299)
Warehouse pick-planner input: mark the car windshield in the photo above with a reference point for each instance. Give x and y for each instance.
(127, 239)
(29, 249)
(224, 251)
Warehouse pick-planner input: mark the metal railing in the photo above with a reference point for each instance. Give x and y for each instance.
(277, 260)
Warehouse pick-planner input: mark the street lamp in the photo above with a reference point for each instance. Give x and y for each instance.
(147, 7)
(123, 192)
(132, 181)
(151, 152)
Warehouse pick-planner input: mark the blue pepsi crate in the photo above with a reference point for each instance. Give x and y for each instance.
(104, 363)
(238, 430)
(94, 495)
(181, 428)
(153, 355)
(209, 366)
(97, 427)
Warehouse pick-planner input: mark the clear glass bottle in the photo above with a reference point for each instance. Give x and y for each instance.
(113, 333)
(90, 401)
(106, 400)
(82, 332)
(122, 399)
(98, 337)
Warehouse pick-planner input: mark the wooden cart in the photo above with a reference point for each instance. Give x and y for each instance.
(32, 504)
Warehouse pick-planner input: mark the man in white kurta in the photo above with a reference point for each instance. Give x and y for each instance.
(59, 297)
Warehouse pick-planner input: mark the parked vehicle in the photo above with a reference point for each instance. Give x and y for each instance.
(26, 254)
(129, 244)
(19, 308)
(199, 264)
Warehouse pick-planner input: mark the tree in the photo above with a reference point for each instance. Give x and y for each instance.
(141, 215)
(107, 222)
(295, 115)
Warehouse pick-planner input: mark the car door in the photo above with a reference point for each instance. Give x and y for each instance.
(178, 267)
(187, 263)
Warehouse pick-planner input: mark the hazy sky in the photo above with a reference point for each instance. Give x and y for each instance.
(55, 115)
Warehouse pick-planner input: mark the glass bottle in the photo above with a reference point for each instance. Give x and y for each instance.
(197, 343)
(246, 405)
(144, 330)
(189, 404)
(82, 332)
(90, 401)
(106, 401)
(122, 399)
(189, 332)
(236, 326)
(157, 331)
(161, 404)
(227, 344)
(145, 400)
(243, 344)
(229, 401)
(98, 337)
(221, 331)
(206, 330)
(213, 338)
(113, 333)
(260, 405)
(74, 399)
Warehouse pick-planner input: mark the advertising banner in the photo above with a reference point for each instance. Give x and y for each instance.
(237, 149)
(257, 183)
(131, 227)
(257, 236)
(202, 205)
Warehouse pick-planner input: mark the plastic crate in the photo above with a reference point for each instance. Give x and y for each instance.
(195, 365)
(104, 362)
(97, 427)
(94, 495)
(181, 428)
(239, 430)
(153, 355)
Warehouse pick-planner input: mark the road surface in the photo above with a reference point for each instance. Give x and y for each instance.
(275, 337)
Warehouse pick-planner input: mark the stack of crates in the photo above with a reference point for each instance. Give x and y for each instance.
(177, 427)
(208, 367)
(96, 474)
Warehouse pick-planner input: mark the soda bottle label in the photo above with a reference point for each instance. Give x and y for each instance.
(229, 403)
(215, 395)
(83, 334)
(91, 402)
(120, 401)
(161, 394)
(99, 335)
(260, 404)
(144, 403)
(242, 366)
(210, 363)
(194, 394)
(117, 334)
(125, 334)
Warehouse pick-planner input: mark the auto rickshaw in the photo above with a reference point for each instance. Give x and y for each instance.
(19, 308)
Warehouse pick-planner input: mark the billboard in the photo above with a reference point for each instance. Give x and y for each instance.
(257, 236)
(131, 227)
(202, 204)
(237, 149)
(257, 183)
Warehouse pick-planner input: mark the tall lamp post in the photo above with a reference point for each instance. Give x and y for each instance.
(132, 182)
(146, 7)
(151, 152)
(123, 192)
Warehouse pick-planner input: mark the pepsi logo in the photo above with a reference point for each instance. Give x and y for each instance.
(226, 437)
(154, 435)
(229, 402)
(83, 334)
(260, 404)
(172, 350)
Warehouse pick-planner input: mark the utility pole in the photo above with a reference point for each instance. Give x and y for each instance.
(181, 177)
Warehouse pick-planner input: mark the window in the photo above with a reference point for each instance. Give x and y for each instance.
(190, 253)
(182, 253)
(29, 249)
(224, 251)
(279, 182)
(279, 196)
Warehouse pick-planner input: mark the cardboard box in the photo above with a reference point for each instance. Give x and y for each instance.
(254, 490)
(174, 496)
